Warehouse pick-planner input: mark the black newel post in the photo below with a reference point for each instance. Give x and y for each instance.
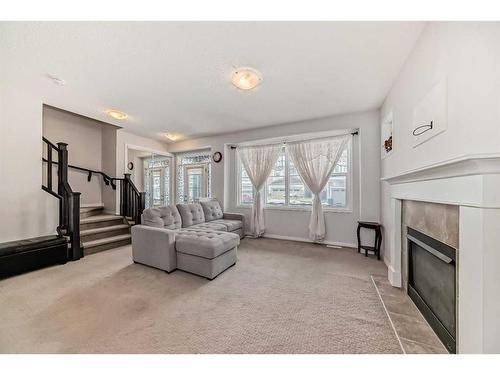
(62, 180)
(76, 249)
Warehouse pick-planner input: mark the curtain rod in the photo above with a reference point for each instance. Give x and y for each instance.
(353, 134)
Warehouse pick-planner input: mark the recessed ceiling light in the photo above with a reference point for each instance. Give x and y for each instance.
(119, 115)
(246, 78)
(57, 80)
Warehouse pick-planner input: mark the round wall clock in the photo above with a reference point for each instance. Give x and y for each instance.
(217, 157)
(130, 165)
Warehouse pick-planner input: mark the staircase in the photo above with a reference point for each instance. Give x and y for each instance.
(89, 230)
(100, 231)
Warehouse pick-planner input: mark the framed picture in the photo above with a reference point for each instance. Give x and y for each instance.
(387, 140)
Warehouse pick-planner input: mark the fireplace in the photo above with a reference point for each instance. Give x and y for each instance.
(432, 283)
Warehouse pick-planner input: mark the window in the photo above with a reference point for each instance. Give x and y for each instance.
(193, 176)
(284, 187)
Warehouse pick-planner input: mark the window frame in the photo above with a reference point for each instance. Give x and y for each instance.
(287, 207)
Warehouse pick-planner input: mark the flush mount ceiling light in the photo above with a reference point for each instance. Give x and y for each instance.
(246, 78)
(172, 136)
(119, 115)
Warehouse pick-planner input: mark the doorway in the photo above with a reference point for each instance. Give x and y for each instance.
(195, 186)
(151, 173)
(157, 180)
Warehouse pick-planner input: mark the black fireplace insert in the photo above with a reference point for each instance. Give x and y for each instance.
(432, 284)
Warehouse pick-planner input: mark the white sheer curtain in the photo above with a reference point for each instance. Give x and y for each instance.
(314, 161)
(258, 162)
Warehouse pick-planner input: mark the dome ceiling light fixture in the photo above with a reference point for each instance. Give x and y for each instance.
(246, 78)
(172, 136)
(119, 115)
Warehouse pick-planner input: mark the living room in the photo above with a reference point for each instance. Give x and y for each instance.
(265, 187)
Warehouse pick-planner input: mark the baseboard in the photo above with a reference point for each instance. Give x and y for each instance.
(301, 239)
(393, 276)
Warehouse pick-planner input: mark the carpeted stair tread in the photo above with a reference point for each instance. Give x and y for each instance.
(107, 240)
(98, 218)
(103, 229)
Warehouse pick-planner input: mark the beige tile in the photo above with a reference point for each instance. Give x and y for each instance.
(412, 347)
(400, 304)
(389, 290)
(414, 329)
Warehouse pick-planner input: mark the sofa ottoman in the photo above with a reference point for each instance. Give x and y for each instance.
(206, 253)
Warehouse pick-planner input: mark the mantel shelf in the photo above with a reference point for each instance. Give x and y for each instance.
(469, 165)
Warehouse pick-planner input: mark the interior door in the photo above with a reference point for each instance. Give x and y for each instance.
(157, 177)
(195, 182)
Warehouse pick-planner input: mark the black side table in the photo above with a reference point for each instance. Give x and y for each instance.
(377, 227)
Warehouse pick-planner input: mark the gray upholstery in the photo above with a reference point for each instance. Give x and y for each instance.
(205, 243)
(231, 225)
(208, 268)
(154, 247)
(212, 210)
(204, 252)
(210, 226)
(179, 237)
(163, 217)
(191, 214)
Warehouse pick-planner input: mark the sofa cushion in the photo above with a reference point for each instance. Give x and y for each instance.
(191, 214)
(204, 243)
(231, 225)
(210, 226)
(212, 210)
(162, 217)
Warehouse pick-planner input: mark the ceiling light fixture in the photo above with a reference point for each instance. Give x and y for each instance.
(119, 115)
(172, 136)
(246, 78)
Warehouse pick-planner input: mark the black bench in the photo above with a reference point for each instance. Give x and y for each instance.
(26, 255)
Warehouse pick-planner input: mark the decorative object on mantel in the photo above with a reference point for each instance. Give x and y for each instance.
(377, 227)
(386, 133)
(430, 115)
(130, 165)
(217, 157)
(422, 129)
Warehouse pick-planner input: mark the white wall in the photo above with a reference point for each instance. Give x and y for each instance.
(84, 139)
(109, 166)
(341, 227)
(25, 209)
(467, 54)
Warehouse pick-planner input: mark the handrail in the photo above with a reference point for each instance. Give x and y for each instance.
(69, 201)
(132, 201)
(50, 143)
(106, 179)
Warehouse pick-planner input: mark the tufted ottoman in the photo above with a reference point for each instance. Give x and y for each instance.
(204, 252)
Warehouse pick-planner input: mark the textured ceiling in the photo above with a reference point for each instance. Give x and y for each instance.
(175, 76)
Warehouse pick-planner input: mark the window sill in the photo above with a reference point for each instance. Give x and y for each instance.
(299, 208)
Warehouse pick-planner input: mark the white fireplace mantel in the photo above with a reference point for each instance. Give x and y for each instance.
(473, 184)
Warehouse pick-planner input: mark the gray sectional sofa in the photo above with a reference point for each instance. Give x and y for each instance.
(199, 238)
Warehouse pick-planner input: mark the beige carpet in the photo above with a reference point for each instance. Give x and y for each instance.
(281, 297)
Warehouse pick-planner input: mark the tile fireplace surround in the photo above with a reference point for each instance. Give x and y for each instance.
(472, 186)
(439, 221)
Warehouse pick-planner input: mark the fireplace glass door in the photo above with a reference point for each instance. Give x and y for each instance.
(432, 284)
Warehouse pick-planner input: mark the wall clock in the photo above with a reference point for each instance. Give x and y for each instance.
(217, 157)
(130, 165)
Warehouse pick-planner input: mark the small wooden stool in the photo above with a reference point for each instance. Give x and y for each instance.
(377, 227)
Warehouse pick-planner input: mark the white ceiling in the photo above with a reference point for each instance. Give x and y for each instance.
(175, 76)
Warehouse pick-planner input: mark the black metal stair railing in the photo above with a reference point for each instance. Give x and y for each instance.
(132, 201)
(69, 200)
